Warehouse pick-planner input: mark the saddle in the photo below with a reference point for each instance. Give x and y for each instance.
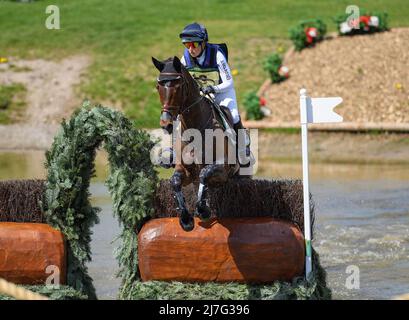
(222, 113)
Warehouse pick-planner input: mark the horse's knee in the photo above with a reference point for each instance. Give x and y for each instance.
(176, 181)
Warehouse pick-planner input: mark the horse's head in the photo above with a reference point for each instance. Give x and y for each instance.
(170, 86)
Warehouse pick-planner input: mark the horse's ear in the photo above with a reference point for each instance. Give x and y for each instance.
(177, 64)
(158, 64)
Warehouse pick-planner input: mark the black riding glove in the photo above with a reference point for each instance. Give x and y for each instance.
(208, 90)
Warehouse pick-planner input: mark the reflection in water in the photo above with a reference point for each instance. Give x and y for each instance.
(362, 219)
(339, 172)
(31, 165)
(104, 266)
(22, 165)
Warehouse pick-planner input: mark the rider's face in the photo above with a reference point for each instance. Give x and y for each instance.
(195, 52)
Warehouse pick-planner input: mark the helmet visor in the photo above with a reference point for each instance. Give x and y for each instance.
(191, 39)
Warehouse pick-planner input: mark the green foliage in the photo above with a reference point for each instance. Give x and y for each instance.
(252, 106)
(12, 102)
(299, 289)
(383, 22)
(298, 36)
(61, 293)
(131, 182)
(271, 64)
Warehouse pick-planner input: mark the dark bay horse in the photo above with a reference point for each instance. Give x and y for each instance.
(181, 99)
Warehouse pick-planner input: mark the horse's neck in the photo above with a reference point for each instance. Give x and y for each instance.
(199, 112)
(198, 116)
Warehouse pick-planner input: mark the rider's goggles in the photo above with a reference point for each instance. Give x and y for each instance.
(195, 44)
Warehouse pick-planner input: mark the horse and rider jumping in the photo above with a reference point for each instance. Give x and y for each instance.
(184, 90)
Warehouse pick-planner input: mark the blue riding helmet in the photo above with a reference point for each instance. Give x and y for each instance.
(194, 32)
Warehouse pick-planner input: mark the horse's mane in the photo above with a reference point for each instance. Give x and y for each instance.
(191, 83)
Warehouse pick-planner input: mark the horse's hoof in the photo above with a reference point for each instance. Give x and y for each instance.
(203, 212)
(187, 222)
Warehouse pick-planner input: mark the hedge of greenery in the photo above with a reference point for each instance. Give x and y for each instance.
(131, 182)
(298, 33)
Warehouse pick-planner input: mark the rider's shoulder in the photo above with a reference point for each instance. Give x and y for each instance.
(220, 58)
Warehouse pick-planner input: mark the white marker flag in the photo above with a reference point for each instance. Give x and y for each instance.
(319, 110)
(312, 110)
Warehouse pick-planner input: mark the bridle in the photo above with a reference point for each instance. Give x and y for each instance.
(177, 76)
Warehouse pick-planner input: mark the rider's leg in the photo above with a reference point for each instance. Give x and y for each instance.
(242, 136)
(231, 104)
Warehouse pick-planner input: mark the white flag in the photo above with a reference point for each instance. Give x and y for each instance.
(318, 110)
(312, 110)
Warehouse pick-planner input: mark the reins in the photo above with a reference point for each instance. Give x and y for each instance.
(187, 109)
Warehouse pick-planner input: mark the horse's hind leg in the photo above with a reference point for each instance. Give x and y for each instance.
(211, 174)
(185, 218)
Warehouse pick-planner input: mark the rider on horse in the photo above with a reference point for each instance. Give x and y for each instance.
(210, 59)
(185, 87)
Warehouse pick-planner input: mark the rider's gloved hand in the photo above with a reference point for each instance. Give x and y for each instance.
(208, 90)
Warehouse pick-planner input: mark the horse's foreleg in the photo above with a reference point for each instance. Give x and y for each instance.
(211, 174)
(185, 218)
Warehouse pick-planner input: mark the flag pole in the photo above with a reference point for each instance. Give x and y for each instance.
(307, 218)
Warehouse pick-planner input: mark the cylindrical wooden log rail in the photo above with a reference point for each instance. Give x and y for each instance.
(28, 249)
(247, 250)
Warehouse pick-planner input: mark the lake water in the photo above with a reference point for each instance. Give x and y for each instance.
(362, 222)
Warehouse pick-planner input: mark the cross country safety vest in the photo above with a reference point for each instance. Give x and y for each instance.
(208, 73)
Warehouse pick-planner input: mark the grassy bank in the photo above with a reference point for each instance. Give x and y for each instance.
(121, 36)
(12, 102)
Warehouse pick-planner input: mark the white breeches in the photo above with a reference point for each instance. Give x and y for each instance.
(230, 102)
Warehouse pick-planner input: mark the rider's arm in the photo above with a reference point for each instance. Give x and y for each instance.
(225, 74)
